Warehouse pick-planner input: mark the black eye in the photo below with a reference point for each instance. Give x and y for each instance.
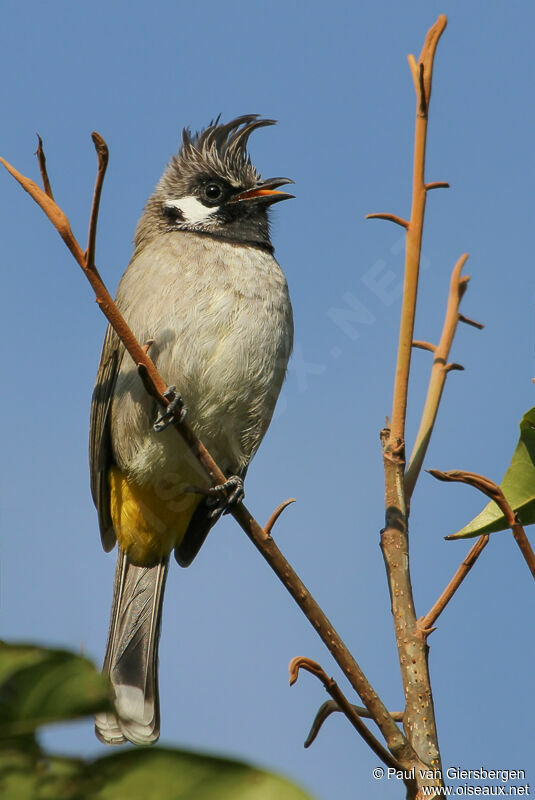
(172, 213)
(212, 191)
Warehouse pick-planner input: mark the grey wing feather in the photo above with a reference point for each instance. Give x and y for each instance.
(100, 450)
(203, 520)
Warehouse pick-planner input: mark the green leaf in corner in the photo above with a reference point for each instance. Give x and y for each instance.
(518, 486)
(163, 774)
(39, 686)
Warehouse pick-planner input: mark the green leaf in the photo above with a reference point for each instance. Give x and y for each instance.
(25, 777)
(518, 486)
(163, 774)
(39, 686)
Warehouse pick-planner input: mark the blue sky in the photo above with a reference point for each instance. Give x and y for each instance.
(335, 76)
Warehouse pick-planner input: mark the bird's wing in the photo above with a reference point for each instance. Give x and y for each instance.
(100, 450)
(203, 520)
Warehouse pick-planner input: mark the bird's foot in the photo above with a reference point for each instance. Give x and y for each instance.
(223, 502)
(175, 410)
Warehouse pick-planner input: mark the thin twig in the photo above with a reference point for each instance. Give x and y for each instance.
(276, 514)
(493, 491)
(40, 153)
(422, 75)
(330, 707)
(439, 371)
(437, 185)
(102, 156)
(472, 322)
(265, 544)
(421, 345)
(389, 218)
(300, 662)
(425, 624)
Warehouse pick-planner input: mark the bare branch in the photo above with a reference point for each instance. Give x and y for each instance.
(425, 624)
(300, 662)
(422, 75)
(437, 379)
(419, 721)
(53, 212)
(330, 707)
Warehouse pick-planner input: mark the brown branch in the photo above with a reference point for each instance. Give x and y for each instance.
(276, 514)
(419, 719)
(332, 688)
(493, 491)
(425, 624)
(330, 707)
(439, 372)
(40, 153)
(389, 218)
(264, 543)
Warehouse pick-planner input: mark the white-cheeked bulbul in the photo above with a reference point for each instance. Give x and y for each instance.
(204, 288)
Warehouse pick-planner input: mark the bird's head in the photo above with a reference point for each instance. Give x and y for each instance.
(211, 187)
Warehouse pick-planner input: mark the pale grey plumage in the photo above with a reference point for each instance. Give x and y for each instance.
(204, 287)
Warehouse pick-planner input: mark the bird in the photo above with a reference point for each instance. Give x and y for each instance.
(204, 293)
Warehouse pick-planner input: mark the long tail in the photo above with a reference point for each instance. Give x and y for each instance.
(132, 654)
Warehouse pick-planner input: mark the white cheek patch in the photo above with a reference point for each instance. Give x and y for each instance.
(192, 209)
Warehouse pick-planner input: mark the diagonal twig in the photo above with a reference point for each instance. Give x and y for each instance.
(300, 662)
(425, 624)
(330, 707)
(102, 155)
(40, 153)
(439, 372)
(389, 218)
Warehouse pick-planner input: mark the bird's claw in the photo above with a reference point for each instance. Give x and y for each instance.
(234, 485)
(175, 410)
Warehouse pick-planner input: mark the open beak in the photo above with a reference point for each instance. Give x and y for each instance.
(266, 192)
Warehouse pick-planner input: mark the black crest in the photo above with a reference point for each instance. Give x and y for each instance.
(220, 150)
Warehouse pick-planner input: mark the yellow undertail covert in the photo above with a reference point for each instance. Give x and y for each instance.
(149, 521)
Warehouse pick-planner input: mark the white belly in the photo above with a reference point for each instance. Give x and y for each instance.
(221, 321)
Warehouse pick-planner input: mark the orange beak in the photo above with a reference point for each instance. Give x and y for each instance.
(265, 192)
